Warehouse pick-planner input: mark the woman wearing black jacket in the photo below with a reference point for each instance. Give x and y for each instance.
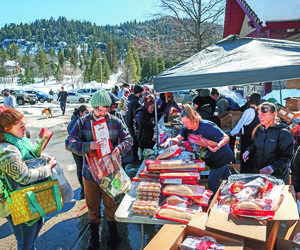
(145, 118)
(78, 112)
(273, 145)
(295, 166)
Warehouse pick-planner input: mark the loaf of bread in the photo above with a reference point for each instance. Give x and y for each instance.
(181, 190)
(175, 214)
(248, 206)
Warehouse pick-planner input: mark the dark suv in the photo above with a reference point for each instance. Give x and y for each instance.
(22, 97)
(41, 96)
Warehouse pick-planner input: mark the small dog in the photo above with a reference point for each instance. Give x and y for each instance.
(47, 112)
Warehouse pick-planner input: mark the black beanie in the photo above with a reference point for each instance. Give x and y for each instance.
(138, 89)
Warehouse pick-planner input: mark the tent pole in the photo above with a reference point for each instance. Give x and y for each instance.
(156, 122)
(280, 92)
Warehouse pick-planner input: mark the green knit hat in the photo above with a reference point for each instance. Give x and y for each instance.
(101, 98)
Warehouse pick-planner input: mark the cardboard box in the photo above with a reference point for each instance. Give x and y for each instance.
(292, 84)
(226, 120)
(285, 114)
(172, 236)
(286, 242)
(251, 230)
(293, 104)
(236, 116)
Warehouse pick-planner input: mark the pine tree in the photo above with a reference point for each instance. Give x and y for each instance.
(43, 63)
(59, 74)
(136, 58)
(52, 53)
(13, 51)
(160, 64)
(61, 58)
(29, 76)
(129, 69)
(74, 56)
(111, 55)
(22, 79)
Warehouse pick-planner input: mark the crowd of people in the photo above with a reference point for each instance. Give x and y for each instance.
(266, 144)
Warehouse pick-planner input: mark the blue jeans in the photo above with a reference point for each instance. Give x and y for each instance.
(25, 235)
(63, 106)
(215, 175)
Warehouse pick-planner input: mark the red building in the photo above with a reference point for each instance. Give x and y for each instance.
(240, 19)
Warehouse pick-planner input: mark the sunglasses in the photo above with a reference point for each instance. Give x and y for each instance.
(265, 109)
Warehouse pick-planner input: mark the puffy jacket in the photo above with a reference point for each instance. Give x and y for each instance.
(295, 166)
(273, 146)
(133, 104)
(145, 125)
(74, 119)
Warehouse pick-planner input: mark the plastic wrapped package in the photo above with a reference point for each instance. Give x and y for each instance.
(250, 195)
(202, 141)
(177, 201)
(144, 208)
(42, 141)
(189, 191)
(174, 213)
(148, 191)
(179, 178)
(171, 165)
(203, 243)
(168, 153)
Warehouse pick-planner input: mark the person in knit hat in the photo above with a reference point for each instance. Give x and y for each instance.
(134, 102)
(170, 102)
(81, 141)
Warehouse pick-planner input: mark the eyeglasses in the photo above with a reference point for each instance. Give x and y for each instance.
(147, 89)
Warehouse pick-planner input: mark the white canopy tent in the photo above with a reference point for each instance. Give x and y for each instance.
(234, 60)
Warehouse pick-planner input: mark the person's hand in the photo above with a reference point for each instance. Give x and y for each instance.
(52, 163)
(164, 114)
(266, 170)
(46, 156)
(96, 144)
(214, 149)
(167, 143)
(246, 155)
(116, 151)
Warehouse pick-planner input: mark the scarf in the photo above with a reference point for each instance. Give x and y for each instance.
(23, 144)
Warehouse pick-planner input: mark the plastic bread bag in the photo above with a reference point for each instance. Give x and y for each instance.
(173, 213)
(203, 243)
(65, 187)
(168, 153)
(252, 179)
(179, 178)
(177, 201)
(171, 165)
(117, 182)
(42, 141)
(202, 141)
(189, 191)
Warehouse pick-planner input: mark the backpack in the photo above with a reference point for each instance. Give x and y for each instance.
(233, 105)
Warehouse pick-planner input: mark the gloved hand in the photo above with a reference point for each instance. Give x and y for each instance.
(267, 170)
(246, 156)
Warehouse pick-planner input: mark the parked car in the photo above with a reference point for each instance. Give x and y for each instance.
(22, 97)
(87, 91)
(77, 97)
(184, 96)
(41, 96)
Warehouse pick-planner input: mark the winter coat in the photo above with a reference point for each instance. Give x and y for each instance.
(74, 119)
(295, 167)
(133, 104)
(146, 125)
(273, 146)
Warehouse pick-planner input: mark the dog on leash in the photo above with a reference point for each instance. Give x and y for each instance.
(47, 112)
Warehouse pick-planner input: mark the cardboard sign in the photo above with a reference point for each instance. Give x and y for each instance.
(100, 132)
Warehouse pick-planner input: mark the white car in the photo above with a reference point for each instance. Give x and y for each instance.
(76, 97)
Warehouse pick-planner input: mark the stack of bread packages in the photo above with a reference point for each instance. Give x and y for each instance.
(181, 196)
(251, 195)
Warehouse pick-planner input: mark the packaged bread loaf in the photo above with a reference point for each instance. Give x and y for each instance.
(156, 165)
(173, 213)
(190, 191)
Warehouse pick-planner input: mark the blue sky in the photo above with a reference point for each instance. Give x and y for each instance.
(101, 12)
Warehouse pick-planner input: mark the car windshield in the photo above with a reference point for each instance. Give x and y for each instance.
(41, 92)
(20, 92)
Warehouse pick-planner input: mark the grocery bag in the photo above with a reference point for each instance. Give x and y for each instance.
(29, 203)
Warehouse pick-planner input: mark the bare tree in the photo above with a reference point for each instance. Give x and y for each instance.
(197, 17)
